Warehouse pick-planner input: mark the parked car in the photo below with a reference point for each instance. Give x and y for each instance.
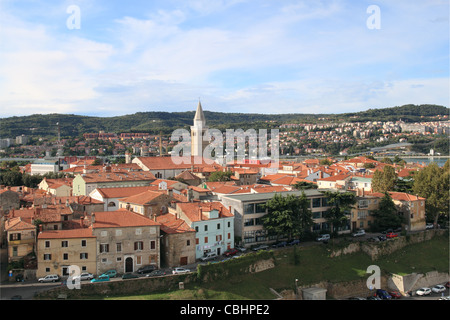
(438, 288)
(383, 294)
(294, 242)
(323, 237)
(101, 278)
(382, 238)
(230, 252)
(395, 294)
(429, 226)
(260, 247)
(110, 273)
(209, 256)
(241, 249)
(423, 291)
(156, 273)
(373, 239)
(84, 276)
(49, 278)
(391, 235)
(146, 269)
(359, 233)
(129, 276)
(280, 244)
(180, 270)
(373, 298)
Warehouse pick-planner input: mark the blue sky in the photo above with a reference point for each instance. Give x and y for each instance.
(252, 56)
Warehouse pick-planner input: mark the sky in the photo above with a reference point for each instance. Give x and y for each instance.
(114, 57)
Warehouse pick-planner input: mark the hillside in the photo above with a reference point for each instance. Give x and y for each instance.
(155, 122)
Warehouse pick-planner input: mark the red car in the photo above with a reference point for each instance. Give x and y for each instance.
(230, 252)
(395, 294)
(391, 235)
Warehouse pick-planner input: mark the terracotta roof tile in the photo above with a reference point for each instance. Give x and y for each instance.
(121, 218)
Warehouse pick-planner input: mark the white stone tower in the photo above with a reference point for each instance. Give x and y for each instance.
(197, 132)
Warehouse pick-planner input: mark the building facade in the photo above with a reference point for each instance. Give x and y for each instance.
(125, 241)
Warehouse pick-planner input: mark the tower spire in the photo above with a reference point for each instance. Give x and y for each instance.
(199, 116)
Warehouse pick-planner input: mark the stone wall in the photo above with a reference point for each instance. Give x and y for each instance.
(378, 249)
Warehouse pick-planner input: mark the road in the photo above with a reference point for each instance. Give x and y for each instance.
(26, 290)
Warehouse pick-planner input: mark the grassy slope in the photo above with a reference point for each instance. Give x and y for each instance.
(314, 267)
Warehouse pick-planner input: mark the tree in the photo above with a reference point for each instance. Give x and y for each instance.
(432, 183)
(341, 203)
(384, 181)
(11, 178)
(387, 216)
(287, 215)
(220, 176)
(303, 185)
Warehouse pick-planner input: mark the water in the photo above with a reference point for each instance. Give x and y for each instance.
(427, 160)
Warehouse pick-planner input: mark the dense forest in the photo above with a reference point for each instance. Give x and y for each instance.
(156, 122)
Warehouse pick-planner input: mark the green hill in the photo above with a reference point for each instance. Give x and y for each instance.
(154, 122)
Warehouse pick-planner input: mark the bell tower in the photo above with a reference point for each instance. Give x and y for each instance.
(197, 132)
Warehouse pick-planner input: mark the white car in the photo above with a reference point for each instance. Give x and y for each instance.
(429, 226)
(438, 288)
(359, 233)
(180, 270)
(49, 278)
(84, 276)
(423, 291)
(323, 237)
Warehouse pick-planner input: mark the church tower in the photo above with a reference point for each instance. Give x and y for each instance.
(197, 132)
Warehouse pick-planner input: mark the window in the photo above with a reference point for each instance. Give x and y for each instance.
(152, 245)
(138, 260)
(139, 245)
(104, 247)
(47, 244)
(83, 243)
(118, 232)
(229, 224)
(83, 256)
(219, 237)
(64, 244)
(47, 256)
(188, 243)
(196, 229)
(249, 208)
(197, 241)
(259, 207)
(316, 202)
(218, 226)
(229, 235)
(249, 222)
(65, 256)
(206, 227)
(119, 247)
(206, 239)
(14, 236)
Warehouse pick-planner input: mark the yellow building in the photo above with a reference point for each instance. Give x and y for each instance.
(21, 238)
(59, 249)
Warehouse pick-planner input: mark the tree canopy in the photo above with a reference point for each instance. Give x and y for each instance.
(287, 215)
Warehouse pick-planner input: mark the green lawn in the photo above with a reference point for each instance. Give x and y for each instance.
(314, 266)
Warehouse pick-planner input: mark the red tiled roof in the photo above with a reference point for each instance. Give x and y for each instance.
(171, 224)
(65, 234)
(143, 198)
(121, 218)
(192, 210)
